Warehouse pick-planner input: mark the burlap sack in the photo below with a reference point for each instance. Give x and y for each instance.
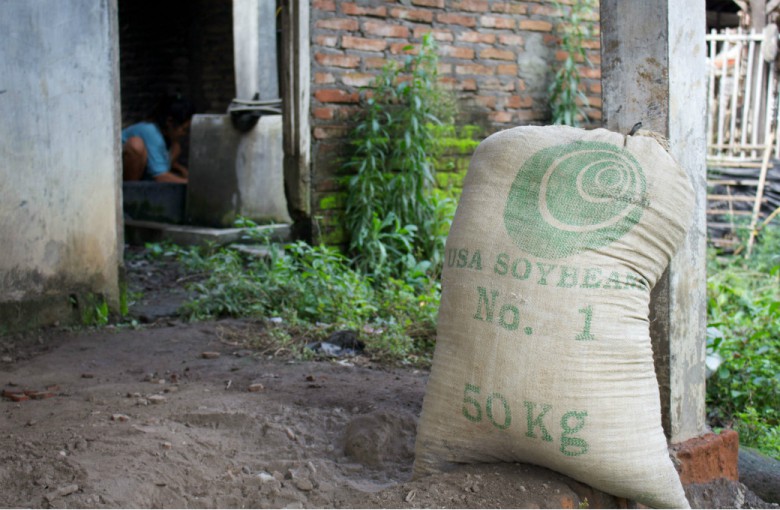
(543, 352)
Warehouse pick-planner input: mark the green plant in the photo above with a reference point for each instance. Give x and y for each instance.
(744, 320)
(565, 87)
(93, 309)
(316, 288)
(389, 194)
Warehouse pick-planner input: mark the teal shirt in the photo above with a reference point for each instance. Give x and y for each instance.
(157, 161)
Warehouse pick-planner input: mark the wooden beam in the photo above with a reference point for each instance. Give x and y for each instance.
(296, 73)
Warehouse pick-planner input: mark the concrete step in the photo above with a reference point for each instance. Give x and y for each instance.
(138, 232)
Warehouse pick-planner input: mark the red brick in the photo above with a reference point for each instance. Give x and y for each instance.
(357, 79)
(486, 101)
(406, 48)
(374, 62)
(457, 52)
(474, 69)
(438, 34)
(412, 15)
(468, 84)
(327, 59)
(15, 396)
(595, 87)
(592, 44)
(535, 25)
(507, 69)
(471, 5)
(496, 54)
(477, 37)
(360, 43)
(595, 101)
(326, 132)
(456, 19)
(500, 117)
(327, 40)
(519, 102)
(530, 116)
(336, 96)
(509, 8)
(495, 84)
(429, 3)
(338, 24)
(324, 5)
(448, 82)
(591, 16)
(347, 111)
(589, 72)
(594, 114)
(322, 113)
(546, 10)
(561, 55)
(497, 22)
(511, 40)
(358, 10)
(444, 68)
(385, 29)
(707, 458)
(323, 78)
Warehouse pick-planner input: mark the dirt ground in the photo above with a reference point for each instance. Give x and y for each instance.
(175, 414)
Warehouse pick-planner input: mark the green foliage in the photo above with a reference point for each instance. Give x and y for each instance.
(311, 286)
(744, 315)
(93, 309)
(565, 87)
(390, 205)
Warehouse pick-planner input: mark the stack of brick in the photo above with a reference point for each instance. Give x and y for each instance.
(498, 56)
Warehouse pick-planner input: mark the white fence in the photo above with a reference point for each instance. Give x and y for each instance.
(742, 102)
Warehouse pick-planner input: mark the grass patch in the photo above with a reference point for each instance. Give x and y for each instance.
(743, 392)
(315, 292)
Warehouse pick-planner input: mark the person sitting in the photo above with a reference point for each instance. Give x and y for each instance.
(151, 148)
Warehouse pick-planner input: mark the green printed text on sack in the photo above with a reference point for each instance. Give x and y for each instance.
(538, 419)
(544, 273)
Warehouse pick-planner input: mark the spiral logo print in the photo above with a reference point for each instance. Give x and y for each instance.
(575, 197)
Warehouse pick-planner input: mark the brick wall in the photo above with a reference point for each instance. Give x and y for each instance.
(176, 45)
(497, 55)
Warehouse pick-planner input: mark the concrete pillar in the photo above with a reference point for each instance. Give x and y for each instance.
(59, 170)
(653, 71)
(254, 48)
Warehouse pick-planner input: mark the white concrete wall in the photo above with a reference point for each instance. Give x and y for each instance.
(235, 174)
(59, 149)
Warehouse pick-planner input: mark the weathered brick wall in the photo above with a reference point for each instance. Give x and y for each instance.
(176, 45)
(498, 56)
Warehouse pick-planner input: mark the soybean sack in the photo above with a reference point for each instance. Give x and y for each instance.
(543, 350)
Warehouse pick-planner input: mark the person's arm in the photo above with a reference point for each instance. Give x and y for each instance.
(176, 167)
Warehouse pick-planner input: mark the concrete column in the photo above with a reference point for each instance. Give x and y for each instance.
(60, 202)
(653, 71)
(254, 48)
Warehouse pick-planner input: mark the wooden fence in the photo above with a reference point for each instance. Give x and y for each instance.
(742, 111)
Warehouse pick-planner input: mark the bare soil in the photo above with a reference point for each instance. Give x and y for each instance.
(175, 414)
